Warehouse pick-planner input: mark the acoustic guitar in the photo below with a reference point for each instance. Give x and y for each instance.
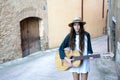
(61, 64)
(76, 57)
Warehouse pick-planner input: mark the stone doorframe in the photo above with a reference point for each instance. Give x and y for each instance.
(43, 24)
(43, 36)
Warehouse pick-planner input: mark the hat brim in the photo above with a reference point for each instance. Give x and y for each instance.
(71, 24)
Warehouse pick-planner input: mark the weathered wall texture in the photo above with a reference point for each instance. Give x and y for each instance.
(11, 13)
(117, 30)
(114, 22)
(114, 31)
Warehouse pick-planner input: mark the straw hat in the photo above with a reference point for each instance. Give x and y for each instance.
(76, 20)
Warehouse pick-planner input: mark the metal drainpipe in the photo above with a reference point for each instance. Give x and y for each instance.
(82, 9)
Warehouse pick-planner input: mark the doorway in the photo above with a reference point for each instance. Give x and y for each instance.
(30, 38)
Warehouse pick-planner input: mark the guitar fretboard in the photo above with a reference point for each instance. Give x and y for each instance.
(86, 56)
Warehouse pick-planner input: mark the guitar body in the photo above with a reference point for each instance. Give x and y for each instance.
(62, 64)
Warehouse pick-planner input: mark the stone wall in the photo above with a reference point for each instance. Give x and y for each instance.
(114, 17)
(117, 5)
(114, 10)
(11, 13)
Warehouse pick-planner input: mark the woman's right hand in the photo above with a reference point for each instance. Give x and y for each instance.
(69, 61)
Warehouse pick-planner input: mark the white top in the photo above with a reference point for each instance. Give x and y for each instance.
(85, 67)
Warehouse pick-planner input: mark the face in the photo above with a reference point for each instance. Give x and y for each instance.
(76, 27)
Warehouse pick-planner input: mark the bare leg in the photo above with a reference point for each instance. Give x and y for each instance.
(75, 76)
(84, 76)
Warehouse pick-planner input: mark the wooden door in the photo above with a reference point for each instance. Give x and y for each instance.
(30, 40)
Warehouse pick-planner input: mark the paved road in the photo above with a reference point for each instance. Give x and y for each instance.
(41, 66)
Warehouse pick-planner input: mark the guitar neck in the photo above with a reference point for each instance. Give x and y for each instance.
(87, 56)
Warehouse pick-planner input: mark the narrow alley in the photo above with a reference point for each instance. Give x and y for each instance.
(41, 66)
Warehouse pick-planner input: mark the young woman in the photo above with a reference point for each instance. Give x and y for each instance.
(78, 39)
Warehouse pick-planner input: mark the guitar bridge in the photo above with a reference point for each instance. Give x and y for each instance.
(62, 62)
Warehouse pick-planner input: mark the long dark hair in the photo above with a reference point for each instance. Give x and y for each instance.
(81, 38)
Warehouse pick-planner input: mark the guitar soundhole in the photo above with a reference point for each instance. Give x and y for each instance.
(71, 58)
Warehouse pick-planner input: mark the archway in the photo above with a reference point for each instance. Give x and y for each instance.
(30, 38)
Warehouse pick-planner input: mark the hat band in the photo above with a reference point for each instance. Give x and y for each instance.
(77, 21)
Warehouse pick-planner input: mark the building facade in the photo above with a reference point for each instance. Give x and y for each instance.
(23, 27)
(62, 12)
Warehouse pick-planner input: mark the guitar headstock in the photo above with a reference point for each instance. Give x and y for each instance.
(107, 55)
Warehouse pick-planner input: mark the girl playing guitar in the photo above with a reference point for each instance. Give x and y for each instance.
(78, 39)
